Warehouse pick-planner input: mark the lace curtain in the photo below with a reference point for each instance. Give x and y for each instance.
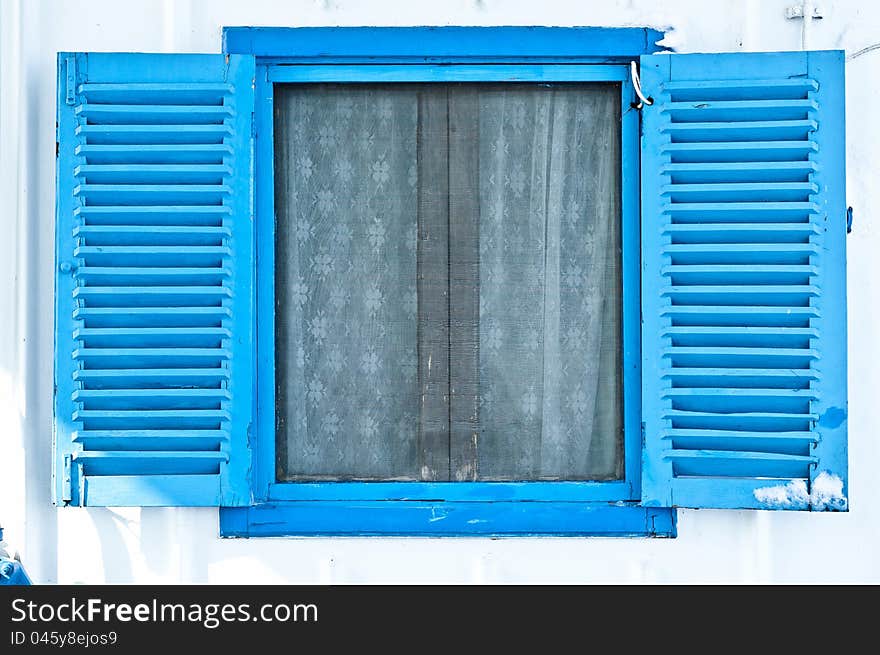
(447, 282)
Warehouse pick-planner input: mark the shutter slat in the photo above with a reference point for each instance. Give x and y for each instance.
(183, 194)
(216, 232)
(740, 233)
(156, 215)
(752, 171)
(716, 356)
(142, 333)
(145, 93)
(150, 440)
(149, 463)
(747, 421)
(770, 377)
(154, 154)
(743, 296)
(720, 254)
(109, 114)
(138, 173)
(159, 256)
(727, 110)
(84, 252)
(153, 276)
(150, 398)
(157, 192)
(740, 130)
(150, 353)
(773, 274)
(133, 296)
(166, 316)
(734, 435)
(155, 347)
(150, 395)
(738, 151)
(195, 419)
(759, 214)
(725, 463)
(150, 378)
(153, 134)
(733, 315)
(740, 336)
(794, 294)
(751, 393)
(155, 455)
(207, 337)
(738, 89)
(738, 192)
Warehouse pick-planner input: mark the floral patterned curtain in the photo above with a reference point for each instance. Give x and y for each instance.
(447, 282)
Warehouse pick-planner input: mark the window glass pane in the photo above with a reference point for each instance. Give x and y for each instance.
(345, 284)
(549, 280)
(447, 282)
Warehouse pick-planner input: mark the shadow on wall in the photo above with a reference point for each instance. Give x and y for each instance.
(111, 529)
(152, 544)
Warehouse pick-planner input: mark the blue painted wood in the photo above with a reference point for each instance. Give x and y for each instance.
(178, 490)
(337, 496)
(154, 318)
(264, 442)
(458, 519)
(630, 258)
(280, 73)
(452, 491)
(63, 471)
(828, 68)
(442, 43)
(743, 276)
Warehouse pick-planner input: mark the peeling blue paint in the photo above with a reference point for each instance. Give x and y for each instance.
(832, 418)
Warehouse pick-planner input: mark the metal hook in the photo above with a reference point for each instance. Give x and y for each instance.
(637, 84)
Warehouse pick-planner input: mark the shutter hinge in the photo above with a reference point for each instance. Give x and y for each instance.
(81, 485)
(805, 10)
(849, 219)
(66, 491)
(71, 79)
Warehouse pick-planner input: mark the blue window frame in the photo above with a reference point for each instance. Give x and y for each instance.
(455, 55)
(734, 286)
(264, 452)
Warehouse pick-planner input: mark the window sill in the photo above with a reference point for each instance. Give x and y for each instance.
(446, 519)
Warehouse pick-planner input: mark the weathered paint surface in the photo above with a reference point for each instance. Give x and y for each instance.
(170, 545)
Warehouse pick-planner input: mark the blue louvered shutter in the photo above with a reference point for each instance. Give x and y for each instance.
(154, 279)
(743, 281)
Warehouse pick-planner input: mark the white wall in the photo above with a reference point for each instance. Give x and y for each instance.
(181, 545)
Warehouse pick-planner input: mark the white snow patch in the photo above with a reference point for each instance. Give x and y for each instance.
(672, 39)
(793, 494)
(827, 493)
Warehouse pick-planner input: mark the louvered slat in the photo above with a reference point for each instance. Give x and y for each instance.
(743, 296)
(154, 245)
